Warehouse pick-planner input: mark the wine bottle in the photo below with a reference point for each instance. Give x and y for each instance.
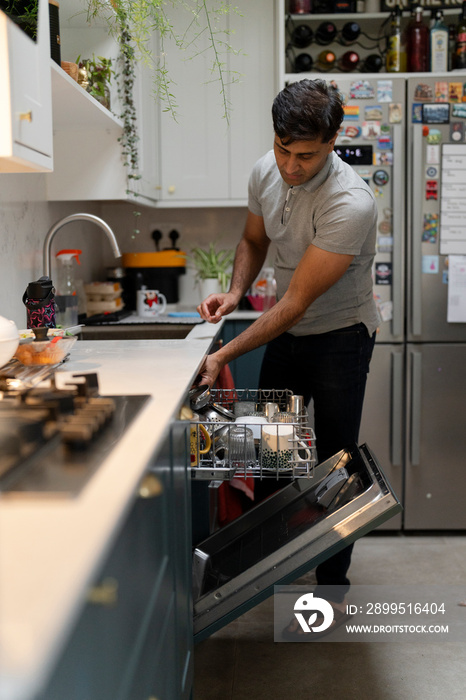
(303, 63)
(302, 36)
(439, 44)
(349, 61)
(396, 50)
(417, 39)
(350, 33)
(460, 53)
(326, 33)
(326, 60)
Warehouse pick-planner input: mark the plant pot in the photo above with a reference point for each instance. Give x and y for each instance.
(210, 286)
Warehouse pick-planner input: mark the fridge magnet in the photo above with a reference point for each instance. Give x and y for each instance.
(430, 264)
(432, 172)
(351, 112)
(383, 273)
(352, 131)
(383, 158)
(441, 91)
(384, 90)
(371, 130)
(386, 310)
(385, 225)
(432, 189)
(445, 277)
(456, 131)
(433, 154)
(385, 143)
(423, 92)
(385, 244)
(373, 113)
(430, 228)
(381, 177)
(434, 137)
(455, 92)
(458, 111)
(436, 113)
(362, 90)
(395, 113)
(416, 113)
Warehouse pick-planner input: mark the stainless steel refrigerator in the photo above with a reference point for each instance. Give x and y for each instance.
(406, 136)
(415, 400)
(436, 296)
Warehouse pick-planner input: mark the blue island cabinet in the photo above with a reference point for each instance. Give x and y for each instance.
(246, 368)
(134, 638)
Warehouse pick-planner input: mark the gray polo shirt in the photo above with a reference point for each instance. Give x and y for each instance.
(335, 211)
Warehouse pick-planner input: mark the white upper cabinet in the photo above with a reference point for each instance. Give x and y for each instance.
(26, 143)
(88, 155)
(204, 160)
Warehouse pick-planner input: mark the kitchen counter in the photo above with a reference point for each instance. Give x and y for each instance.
(52, 547)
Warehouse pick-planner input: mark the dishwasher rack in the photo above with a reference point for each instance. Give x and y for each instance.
(217, 465)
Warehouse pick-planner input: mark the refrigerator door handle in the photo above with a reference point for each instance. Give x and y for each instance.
(416, 377)
(397, 409)
(417, 199)
(398, 233)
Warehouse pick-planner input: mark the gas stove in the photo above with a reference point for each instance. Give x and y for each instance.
(53, 440)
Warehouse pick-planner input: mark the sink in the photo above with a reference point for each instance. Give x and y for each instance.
(120, 331)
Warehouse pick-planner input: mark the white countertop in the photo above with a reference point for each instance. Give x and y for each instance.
(51, 548)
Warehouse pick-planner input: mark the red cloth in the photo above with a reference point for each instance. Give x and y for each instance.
(229, 500)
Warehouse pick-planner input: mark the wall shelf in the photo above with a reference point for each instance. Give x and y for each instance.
(74, 108)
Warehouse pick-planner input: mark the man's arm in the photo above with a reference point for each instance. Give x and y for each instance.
(317, 271)
(249, 258)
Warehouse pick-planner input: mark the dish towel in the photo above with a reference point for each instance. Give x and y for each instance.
(229, 503)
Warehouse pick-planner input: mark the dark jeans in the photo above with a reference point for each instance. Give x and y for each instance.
(330, 368)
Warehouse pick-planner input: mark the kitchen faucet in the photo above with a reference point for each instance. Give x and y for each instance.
(67, 220)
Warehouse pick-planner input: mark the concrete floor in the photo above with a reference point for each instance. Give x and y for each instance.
(241, 661)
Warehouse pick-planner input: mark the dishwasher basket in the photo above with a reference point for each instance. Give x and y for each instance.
(279, 449)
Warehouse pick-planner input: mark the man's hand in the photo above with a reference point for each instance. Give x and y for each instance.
(216, 306)
(209, 370)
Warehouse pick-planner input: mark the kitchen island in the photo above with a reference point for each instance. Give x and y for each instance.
(53, 548)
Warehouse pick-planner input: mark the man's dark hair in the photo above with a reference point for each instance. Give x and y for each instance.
(307, 110)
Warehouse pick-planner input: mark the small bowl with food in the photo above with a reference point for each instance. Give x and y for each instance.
(45, 349)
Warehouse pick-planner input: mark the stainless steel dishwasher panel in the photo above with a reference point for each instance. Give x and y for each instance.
(287, 535)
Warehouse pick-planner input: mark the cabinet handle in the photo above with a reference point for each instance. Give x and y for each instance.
(150, 487)
(105, 594)
(171, 189)
(25, 116)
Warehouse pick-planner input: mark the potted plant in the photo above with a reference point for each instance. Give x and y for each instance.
(99, 74)
(213, 268)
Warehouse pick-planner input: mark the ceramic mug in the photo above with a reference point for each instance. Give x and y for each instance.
(194, 442)
(150, 303)
(279, 447)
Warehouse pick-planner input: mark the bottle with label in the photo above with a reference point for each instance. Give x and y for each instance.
(460, 53)
(439, 44)
(326, 60)
(326, 33)
(396, 50)
(350, 33)
(349, 61)
(270, 297)
(67, 292)
(417, 41)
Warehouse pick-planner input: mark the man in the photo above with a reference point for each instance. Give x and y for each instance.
(322, 218)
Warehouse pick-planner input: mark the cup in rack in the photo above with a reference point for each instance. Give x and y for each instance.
(280, 447)
(253, 422)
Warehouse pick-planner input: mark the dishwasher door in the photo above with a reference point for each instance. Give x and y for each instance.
(288, 534)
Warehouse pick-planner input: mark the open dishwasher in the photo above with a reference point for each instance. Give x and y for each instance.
(321, 509)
